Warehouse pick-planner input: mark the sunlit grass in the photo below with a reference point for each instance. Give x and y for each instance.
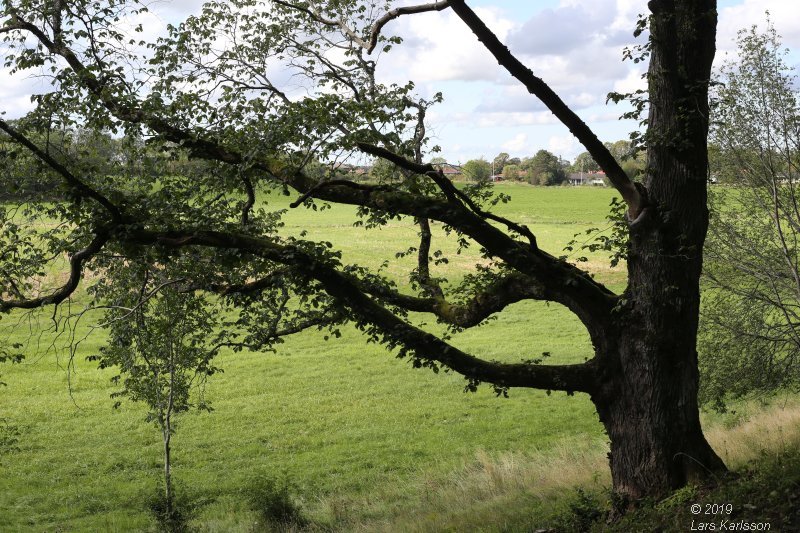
(364, 438)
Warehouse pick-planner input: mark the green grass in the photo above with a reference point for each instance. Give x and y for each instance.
(364, 438)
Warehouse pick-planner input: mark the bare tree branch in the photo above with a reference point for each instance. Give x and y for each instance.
(317, 16)
(633, 195)
(566, 283)
(251, 198)
(376, 28)
(399, 12)
(76, 263)
(446, 186)
(570, 378)
(476, 308)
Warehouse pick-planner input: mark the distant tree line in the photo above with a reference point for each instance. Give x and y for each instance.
(547, 168)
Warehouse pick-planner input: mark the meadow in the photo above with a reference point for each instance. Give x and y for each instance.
(359, 439)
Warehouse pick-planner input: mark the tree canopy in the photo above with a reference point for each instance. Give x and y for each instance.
(477, 170)
(210, 91)
(544, 168)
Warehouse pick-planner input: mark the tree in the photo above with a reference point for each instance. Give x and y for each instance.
(477, 170)
(544, 168)
(751, 314)
(621, 150)
(721, 168)
(499, 162)
(584, 163)
(384, 172)
(158, 340)
(511, 172)
(225, 109)
(25, 174)
(633, 168)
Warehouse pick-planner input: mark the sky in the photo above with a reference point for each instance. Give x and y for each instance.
(574, 45)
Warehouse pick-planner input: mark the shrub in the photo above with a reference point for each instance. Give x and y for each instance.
(172, 516)
(272, 499)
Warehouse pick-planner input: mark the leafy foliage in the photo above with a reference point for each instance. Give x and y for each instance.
(751, 311)
(272, 499)
(9, 436)
(544, 168)
(477, 170)
(254, 94)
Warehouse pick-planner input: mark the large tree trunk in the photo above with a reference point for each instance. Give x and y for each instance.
(648, 402)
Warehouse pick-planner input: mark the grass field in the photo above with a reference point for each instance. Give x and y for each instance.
(365, 441)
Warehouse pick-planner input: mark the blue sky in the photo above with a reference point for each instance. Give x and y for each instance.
(574, 45)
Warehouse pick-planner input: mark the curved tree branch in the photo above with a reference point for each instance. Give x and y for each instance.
(394, 330)
(76, 263)
(475, 309)
(399, 12)
(566, 283)
(447, 187)
(375, 31)
(251, 199)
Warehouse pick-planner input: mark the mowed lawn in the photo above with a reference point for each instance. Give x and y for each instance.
(361, 436)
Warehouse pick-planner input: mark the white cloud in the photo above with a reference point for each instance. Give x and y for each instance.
(576, 48)
(508, 120)
(558, 31)
(783, 13)
(630, 83)
(509, 99)
(517, 99)
(565, 146)
(438, 46)
(516, 144)
(582, 100)
(610, 116)
(16, 91)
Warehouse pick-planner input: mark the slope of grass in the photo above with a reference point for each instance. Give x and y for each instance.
(762, 493)
(364, 438)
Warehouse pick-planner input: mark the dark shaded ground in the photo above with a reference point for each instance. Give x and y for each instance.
(764, 496)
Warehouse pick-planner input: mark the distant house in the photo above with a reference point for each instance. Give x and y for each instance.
(587, 178)
(509, 175)
(578, 178)
(450, 171)
(355, 171)
(496, 177)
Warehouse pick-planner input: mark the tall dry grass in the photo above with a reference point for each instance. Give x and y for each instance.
(761, 430)
(503, 492)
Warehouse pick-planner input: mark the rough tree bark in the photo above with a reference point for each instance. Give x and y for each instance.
(648, 402)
